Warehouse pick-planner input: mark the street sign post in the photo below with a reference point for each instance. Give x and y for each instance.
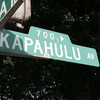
(7, 9)
(46, 44)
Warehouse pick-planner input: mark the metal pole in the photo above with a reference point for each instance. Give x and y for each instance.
(10, 13)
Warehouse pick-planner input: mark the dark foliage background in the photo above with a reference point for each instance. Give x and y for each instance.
(37, 79)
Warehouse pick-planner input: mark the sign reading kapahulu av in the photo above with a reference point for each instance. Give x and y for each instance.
(46, 44)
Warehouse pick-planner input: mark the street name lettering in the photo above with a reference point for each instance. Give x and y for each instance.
(5, 6)
(7, 9)
(13, 2)
(46, 44)
(52, 47)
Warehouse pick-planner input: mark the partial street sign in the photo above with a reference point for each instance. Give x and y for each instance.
(47, 44)
(7, 9)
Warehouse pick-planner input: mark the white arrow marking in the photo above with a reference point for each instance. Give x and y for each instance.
(61, 38)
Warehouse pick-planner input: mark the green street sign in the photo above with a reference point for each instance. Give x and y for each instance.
(7, 9)
(46, 44)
